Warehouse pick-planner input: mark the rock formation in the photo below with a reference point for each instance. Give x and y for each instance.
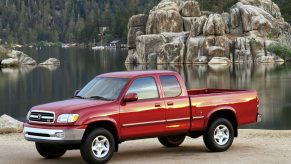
(10, 125)
(13, 58)
(177, 31)
(51, 61)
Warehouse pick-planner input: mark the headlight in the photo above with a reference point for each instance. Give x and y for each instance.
(67, 118)
(28, 115)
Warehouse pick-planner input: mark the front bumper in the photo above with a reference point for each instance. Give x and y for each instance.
(53, 135)
(259, 117)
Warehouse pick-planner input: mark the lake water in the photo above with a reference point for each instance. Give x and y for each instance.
(20, 89)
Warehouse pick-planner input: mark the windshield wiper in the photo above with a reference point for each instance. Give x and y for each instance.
(79, 97)
(100, 98)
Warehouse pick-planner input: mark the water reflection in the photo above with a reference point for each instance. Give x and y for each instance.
(23, 88)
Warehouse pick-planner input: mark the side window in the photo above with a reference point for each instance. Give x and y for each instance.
(171, 86)
(145, 88)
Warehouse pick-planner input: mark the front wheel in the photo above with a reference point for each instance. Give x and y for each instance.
(172, 141)
(219, 135)
(50, 151)
(98, 147)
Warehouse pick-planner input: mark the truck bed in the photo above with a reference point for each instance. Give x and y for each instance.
(243, 103)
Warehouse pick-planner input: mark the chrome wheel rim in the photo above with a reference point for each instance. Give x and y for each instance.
(100, 146)
(221, 135)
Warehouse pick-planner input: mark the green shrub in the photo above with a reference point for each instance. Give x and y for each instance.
(280, 50)
(3, 52)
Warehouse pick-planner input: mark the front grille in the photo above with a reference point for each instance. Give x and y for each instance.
(41, 116)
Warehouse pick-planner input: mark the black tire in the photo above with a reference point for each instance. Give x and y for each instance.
(172, 141)
(90, 155)
(219, 135)
(50, 151)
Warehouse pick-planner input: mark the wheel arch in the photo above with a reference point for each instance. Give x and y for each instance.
(106, 124)
(223, 112)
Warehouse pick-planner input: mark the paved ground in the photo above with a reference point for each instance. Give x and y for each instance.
(252, 146)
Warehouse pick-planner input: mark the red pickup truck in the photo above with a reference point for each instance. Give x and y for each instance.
(120, 106)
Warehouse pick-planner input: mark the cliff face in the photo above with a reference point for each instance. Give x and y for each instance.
(177, 31)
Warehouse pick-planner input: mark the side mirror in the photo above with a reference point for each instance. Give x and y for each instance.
(130, 97)
(76, 92)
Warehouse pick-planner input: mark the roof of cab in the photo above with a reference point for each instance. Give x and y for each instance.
(132, 74)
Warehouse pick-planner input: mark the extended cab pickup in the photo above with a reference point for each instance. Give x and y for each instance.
(121, 106)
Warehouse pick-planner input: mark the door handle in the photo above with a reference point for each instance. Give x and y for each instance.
(170, 103)
(157, 105)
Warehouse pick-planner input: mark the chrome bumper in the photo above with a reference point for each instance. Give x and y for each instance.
(259, 117)
(53, 135)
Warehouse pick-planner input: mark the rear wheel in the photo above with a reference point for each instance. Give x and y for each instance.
(98, 146)
(50, 151)
(219, 135)
(172, 141)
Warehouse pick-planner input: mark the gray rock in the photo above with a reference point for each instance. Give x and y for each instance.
(172, 52)
(214, 25)
(147, 44)
(226, 19)
(216, 51)
(195, 49)
(194, 25)
(270, 59)
(10, 62)
(266, 5)
(190, 8)
(201, 60)
(164, 18)
(51, 61)
(22, 58)
(219, 60)
(242, 50)
(137, 20)
(133, 32)
(10, 125)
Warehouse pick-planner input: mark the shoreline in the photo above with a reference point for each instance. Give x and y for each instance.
(251, 146)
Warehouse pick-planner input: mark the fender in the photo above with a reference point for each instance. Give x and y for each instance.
(97, 119)
(220, 108)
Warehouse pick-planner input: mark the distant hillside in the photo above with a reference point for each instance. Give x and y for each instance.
(30, 21)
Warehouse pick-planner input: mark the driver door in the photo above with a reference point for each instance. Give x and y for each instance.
(146, 116)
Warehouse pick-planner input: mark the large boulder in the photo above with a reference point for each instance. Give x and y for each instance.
(214, 25)
(219, 60)
(172, 52)
(137, 20)
(10, 125)
(22, 58)
(51, 61)
(16, 58)
(195, 49)
(10, 62)
(266, 5)
(190, 8)
(194, 25)
(242, 50)
(164, 18)
(145, 45)
(216, 51)
(136, 27)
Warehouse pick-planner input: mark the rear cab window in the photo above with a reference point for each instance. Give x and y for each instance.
(171, 86)
(145, 88)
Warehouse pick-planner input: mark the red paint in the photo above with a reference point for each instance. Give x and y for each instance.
(155, 117)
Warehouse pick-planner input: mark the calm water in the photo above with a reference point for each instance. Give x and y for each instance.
(20, 89)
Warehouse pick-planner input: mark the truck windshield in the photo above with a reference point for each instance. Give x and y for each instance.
(103, 88)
